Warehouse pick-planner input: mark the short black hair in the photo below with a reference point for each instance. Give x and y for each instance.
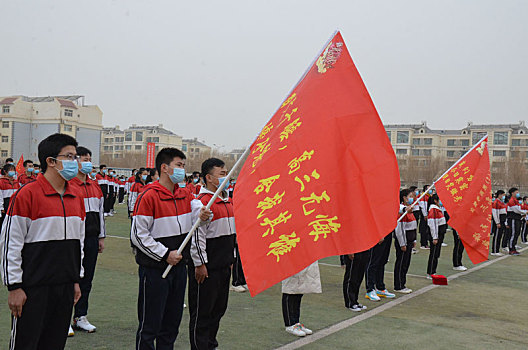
(51, 147)
(138, 174)
(404, 193)
(412, 188)
(432, 200)
(425, 188)
(166, 156)
(133, 170)
(195, 173)
(102, 166)
(209, 164)
(9, 160)
(7, 167)
(35, 165)
(513, 189)
(26, 162)
(83, 151)
(499, 192)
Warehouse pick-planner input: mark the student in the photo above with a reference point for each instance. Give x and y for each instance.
(111, 192)
(94, 234)
(514, 214)
(437, 228)
(417, 211)
(8, 186)
(355, 265)
(37, 169)
(212, 255)
(375, 270)
(28, 175)
(102, 180)
(524, 206)
(499, 222)
(41, 249)
(405, 241)
(307, 281)
(122, 184)
(137, 189)
(162, 219)
(238, 280)
(9, 161)
(193, 183)
(424, 228)
(458, 250)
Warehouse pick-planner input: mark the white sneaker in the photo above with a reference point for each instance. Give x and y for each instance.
(105, 215)
(304, 329)
(460, 268)
(357, 308)
(245, 286)
(238, 289)
(499, 254)
(404, 290)
(505, 249)
(429, 277)
(81, 323)
(517, 247)
(71, 333)
(296, 330)
(414, 251)
(525, 243)
(110, 214)
(184, 305)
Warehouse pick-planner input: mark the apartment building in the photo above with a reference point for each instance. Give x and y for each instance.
(195, 149)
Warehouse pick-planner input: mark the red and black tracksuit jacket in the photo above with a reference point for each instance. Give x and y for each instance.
(160, 223)
(7, 189)
(93, 206)
(42, 237)
(24, 179)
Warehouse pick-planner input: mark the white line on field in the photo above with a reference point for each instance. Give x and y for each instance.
(364, 316)
(409, 274)
(117, 237)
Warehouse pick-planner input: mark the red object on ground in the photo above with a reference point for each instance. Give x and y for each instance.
(439, 279)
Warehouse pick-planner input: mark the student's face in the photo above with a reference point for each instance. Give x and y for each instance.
(29, 165)
(215, 174)
(66, 153)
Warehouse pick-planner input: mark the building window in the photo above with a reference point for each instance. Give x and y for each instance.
(500, 138)
(516, 142)
(117, 156)
(5, 125)
(5, 138)
(139, 136)
(465, 142)
(499, 153)
(128, 136)
(4, 153)
(119, 139)
(389, 135)
(156, 148)
(137, 147)
(105, 148)
(184, 147)
(450, 154)
(401, 151)
(5, 109)
(68, 113)
(477, 136)
(451, 142)
(416, 141)
(67, 127)
(426, 152)
(108, 139)
(402, 137)
(128, 147)
(428, 141)
(415, 152)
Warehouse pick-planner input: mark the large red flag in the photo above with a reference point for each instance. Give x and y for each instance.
(465, 191)
(321, 179)
(20, 165)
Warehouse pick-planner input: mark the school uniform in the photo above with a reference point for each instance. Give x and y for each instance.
(94, 230)
(424, 227)
(354, 272)
(375, 270)
(524, 232)
(499, 215)
(7, 189)
(113, 188)
(135, 191)
(293, 288)
(121, 191)
(405, 234)
(212, 245)
(514, 214)
(160, 223)
(41, 248)
(437, 226)
(103, 182)
(25, 179)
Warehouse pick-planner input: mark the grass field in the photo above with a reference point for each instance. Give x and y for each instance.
(485, 309)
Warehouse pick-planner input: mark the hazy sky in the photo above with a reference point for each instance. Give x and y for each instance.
(219, 69)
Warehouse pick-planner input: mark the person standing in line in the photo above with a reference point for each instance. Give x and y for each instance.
(405, 241)
(355, 265)
(424, 228)
(29, 173)
(41, 249)
(95, 234)
(524, 232)
(102, 180)
(136, 189)
(437, 228)
(375, 270)
(238, 283)
(515, 215)
(8, 186)
(499, 222)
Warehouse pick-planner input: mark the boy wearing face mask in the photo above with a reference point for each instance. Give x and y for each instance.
(8, 186)
(102, 180)
(28, 175)
(498, 224)
(111, 192)
(95, 234)
(41, 249)
(405, 241)
(37, 170)
(515, 215)
(424, 228)
(136, 189)
(162, 218)
(212, 252)
(437, 226)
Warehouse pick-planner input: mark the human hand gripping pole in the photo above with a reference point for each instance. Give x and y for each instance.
(211, 201)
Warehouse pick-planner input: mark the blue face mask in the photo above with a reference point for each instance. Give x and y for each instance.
(417, 192)
(11, 173)
(105, 171)
(440, 203)
(37, 172)
(430, 192)
(195, 180)
(178, 175)
(144, 177)
(518, 195)
(70, 168)
(86, 167)
(30, 170)
(221, 180)
(410, 201)
(182, 185)
(503, 198)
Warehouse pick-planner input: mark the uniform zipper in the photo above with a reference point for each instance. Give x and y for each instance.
(64, 211)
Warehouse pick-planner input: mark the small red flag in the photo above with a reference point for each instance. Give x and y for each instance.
(20, 165)
(321, 179)
(151, 155)
(465, 191)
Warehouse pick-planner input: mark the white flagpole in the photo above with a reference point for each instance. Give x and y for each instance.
(211, 201)
(451, 167)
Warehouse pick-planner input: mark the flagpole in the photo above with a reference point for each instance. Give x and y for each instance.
(209, 204)
(451, 167)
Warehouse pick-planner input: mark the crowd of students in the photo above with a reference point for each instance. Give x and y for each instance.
(53, 228)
